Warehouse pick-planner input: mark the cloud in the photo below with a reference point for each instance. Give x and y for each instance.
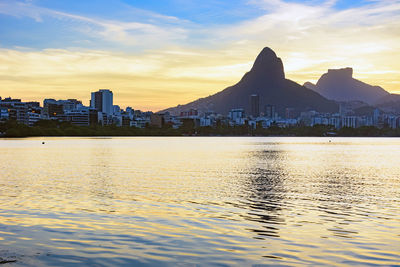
(145, 81)
(182, 60)
(365, 37)
(164, 28)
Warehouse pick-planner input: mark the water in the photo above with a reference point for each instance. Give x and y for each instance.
(206, 201)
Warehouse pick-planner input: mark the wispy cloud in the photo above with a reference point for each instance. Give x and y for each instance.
(164, 28)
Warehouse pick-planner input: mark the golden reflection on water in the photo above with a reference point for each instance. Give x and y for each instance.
(232, 201)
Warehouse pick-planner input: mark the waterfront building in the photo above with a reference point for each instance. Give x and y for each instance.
(4, 113)
(34, 115)
(204, 122)
(102, 100)
(365, 121)
(376, 116)
(126, 120)
(237, 116)
(139, 122)
(157, 120)
(349, 121)
(93, 116)
(266, 123)
(289, 113)
(116, 109)
(191, 113)
(320, 120)
(335, 121)
(252, 124)
(391, 121)
(76, 117)
(270, 112)
(17, 110)
(53, 108)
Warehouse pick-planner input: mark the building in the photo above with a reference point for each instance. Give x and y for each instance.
(76, 117)
(255, 105)
(93, 116)
(53, 108)
(349, 121)
(139, 122)
(17, 110)
(334, 120)
(206, 122)
(34, 115)
(237, 116)
(4, 113)
(116, 109)
(391, 121)
(270, 112)
(290, 113)
(192, 113)
(157, 120)
(376, 116)
(126, 120)
(102, 100)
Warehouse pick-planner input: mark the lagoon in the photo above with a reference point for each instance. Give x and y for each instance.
(213, 201)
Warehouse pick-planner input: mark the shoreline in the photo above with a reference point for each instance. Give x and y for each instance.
(189, 136)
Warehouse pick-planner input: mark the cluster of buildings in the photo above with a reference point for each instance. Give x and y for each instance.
(102, 111)
(352, 114)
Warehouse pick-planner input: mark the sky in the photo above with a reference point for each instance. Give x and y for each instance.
(154, 54)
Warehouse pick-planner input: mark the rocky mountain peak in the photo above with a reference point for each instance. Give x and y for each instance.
(268, 65)
(345, 72)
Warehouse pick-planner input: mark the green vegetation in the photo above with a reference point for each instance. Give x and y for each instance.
(55, 128)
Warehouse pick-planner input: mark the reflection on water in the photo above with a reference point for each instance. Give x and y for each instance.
(207, 201)
(265, 192)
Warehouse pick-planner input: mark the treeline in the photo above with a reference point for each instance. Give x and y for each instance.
(55, 128)
(317, 130)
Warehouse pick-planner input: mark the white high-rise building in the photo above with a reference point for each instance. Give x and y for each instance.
(102, 100)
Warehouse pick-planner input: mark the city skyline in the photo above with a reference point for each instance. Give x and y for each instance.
(160, 55)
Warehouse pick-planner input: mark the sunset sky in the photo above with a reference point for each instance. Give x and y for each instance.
(154, 54)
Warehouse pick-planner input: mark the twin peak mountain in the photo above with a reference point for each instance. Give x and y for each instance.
(267, 79)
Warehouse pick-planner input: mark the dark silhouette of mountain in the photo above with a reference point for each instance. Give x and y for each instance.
(339, 85)
(310, 85)
(389, 103)
(390, 98)
(266, 79)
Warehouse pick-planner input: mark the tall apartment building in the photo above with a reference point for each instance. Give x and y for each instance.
(102, 100)
(255, 105)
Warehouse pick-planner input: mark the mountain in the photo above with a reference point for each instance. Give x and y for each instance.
(390, 98)
(266, 79)
(339, 85)
(389, 103)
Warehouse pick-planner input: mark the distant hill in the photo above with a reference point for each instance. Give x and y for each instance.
(339, 85)
(390, 98)
(266, 79)
(389, 103)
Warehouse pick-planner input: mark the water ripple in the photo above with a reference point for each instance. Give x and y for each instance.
(200, 201)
